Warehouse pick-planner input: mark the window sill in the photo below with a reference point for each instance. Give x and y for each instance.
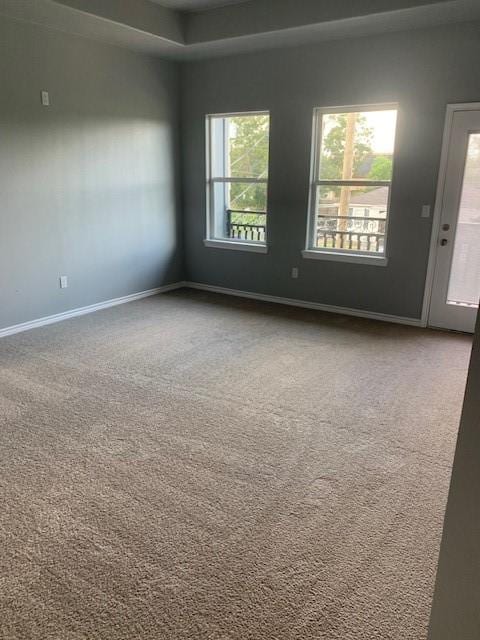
(236, 246)
(313, 254)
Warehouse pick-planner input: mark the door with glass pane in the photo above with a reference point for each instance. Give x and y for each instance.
(456, 285)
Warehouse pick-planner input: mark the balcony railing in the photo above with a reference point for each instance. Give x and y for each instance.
(251, 230)
(355, 233)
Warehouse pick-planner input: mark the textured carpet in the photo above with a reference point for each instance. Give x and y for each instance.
(196, 467)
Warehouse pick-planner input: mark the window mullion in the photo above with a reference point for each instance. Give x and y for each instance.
(240, 180)
(353, 183)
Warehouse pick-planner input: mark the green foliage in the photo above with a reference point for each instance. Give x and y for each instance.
(248, 158)
(381, 168)
(365, 165)
(333, 147)
(249, 218)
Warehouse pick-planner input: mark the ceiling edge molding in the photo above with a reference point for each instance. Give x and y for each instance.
(160, 32)
(142, 15)
(434, 15)
(59, 16)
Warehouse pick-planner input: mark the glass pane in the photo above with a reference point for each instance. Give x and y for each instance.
(247, 196)
(357, 145)
(217, 147)
(248, 146)
(351, 218)
(464, 285)
(240, 211)
(240, 146)
(219, 210)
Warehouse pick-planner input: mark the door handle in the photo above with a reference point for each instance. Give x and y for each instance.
(443, 242)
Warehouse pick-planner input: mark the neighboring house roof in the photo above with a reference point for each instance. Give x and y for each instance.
(470, 204)
(470, 201)
(376, 198)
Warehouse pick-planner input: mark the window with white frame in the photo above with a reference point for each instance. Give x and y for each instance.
(237, 180)
(351, 178)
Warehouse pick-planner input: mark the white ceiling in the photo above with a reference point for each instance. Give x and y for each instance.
(195, 5)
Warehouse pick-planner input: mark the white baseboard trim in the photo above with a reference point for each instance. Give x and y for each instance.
(292, 302)
(73, 313)
(383, 317)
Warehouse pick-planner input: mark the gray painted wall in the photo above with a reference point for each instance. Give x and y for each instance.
(421, 70)
(88, 186)
(456, 604)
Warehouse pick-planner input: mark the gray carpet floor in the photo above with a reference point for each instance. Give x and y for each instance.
(197, 467)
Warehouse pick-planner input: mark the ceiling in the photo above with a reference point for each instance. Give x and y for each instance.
(243, 26)
(195, 5)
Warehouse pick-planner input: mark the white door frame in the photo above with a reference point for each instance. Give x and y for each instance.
(437, 214)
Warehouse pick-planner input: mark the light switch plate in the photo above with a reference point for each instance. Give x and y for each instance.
(45, 99)
(426, 211)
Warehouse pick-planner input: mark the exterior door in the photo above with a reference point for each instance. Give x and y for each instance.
(456, 282)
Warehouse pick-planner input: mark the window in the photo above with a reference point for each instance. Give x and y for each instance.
(237, 180)
(351, 180)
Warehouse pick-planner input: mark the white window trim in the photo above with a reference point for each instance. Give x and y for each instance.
(337, 256)
(237, 245)
(226, 243)
(340, 255)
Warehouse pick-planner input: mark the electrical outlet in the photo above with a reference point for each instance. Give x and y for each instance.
(45, 99)
(63, 282)
(295, 272)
